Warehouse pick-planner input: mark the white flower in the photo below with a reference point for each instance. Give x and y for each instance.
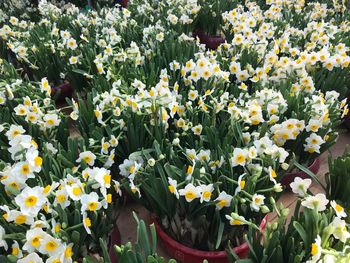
(72, 43)
(257, 201)
(239, 157)
(73, 60)
(14, 131)
(75, 190)
(206, 192)
(102, 176)
(340, 229)
(236, 220)
(317, 202)
(339, 210)
(241, 184)
(160, 37)
(300, 186)
(31, 200)
(129, 168)
(31, 258)
(16, 251)
(50, 245)
(34, 238)
(2, 239)
(204, 155)
(272, 175)
(90, 202)
(51, 120)
(45, 86)
(173, 187)
(316, 250)
(88, 157)
(62, 198)
(197, 130)
(87, 223)
(190, 192)
(223, 200)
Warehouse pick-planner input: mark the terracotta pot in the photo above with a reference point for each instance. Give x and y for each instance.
(289, 177)
(189, 255)
(211, 42)
(115, 239)
(65, 90)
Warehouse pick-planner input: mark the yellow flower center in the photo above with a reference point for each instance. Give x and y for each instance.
(242, 184)
(61, 198)
(222, 203)
(25, 169)
(31, 201)
(92, 206)
(15, 251)
(109, 198)
(240, 158)
(76, 191)
(189, 169)
(87, 222)
(190, 195)
(314, 249)
(235, 222)
(171, 189)
(273, 174)
(68, 253)
(51, 246)
(107, 179)
(339, 208)
(50, 122)
(87, 159)
(35, 241)
(38, 161)
(207, 194)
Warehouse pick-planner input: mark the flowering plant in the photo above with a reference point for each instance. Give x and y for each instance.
(316, 232)
(204, 166)
(60, 210)
(337, 180)
(145, 248)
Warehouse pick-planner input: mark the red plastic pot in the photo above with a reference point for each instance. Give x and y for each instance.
(288, 178)
(123, 3)
(211, 42)
(115, 239)
(65, 90)
(189, 255)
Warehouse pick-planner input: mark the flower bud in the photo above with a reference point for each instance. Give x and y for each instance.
(285, 166)
(277, 188)
(265, 209)
(285, 212)
(151, 162)
(274, 226)
(176, 141)
(161, 157)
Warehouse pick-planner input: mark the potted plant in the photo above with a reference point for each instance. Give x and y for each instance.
(202, 167)
(47, 212)
(209, 21)
(315, 232)
(337, 180)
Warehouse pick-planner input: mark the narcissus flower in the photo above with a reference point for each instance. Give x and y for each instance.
(300, 186)
(223, 200)
(31, 200)
(190, 192)
(317, 202)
